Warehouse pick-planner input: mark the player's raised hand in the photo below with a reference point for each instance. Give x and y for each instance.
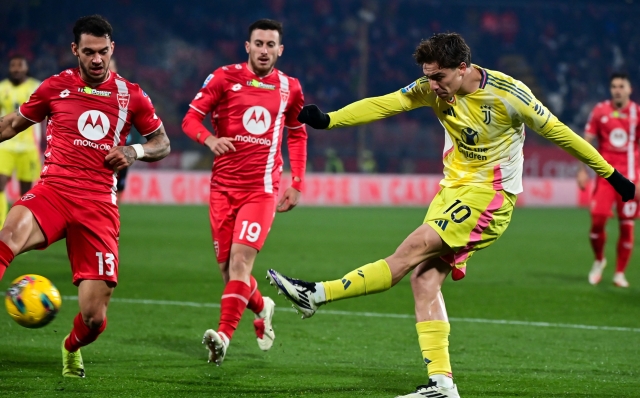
(622, 185)
(289, 200)
(219, 146)
(583, 179)
(314, 117)
(120, 157)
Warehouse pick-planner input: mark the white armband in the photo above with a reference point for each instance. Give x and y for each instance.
(139, 150)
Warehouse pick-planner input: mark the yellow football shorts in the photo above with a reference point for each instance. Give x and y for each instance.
(469, 219)
(26, 164)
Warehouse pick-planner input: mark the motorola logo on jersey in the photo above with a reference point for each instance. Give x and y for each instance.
(618, 138)
(93, 125)
(256, 120)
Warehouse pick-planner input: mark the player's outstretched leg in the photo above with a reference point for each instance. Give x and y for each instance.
(598, 237)
(263, 309)
(625, 247)
(424, 243)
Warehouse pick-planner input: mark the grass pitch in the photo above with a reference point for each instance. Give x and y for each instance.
(170, 286)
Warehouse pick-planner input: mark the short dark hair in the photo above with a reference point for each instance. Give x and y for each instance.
(18, 56)
(619, 75)
(448, 50)
(266, 24)
(94, 25)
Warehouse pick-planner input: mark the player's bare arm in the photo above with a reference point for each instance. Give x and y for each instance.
(156, 148)
(12, 124)
(583, 176)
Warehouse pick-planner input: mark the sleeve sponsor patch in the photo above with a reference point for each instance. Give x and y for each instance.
(207, 80)
(408, 88)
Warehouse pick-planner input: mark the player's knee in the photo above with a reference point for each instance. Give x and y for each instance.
(10, 236)
(598, 223)
(426, 281)
(94, 320)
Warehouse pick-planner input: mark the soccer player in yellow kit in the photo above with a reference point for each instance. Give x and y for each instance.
(483, 113)
(21, 154)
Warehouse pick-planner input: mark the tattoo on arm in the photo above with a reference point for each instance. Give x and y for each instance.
(157, 146)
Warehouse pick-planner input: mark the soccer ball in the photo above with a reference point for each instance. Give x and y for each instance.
(32, 301)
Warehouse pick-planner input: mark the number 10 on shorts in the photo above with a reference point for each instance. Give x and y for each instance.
(252, 231)
(107, 258)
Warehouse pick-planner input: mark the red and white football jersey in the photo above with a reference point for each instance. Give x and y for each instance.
(253, 112)
(616, 131)
(84, 124)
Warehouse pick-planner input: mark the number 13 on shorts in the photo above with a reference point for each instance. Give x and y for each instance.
(107, 259)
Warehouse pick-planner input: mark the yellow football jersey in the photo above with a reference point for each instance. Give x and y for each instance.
(484, 130)
(11, 97)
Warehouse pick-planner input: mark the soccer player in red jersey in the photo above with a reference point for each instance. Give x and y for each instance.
(613, 124)
(90, 111)
(250, 104)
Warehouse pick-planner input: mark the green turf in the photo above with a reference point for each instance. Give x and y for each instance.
(536, 272)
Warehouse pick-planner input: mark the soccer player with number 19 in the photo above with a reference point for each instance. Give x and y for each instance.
(484, 113)
(90, 111)
(250, 104)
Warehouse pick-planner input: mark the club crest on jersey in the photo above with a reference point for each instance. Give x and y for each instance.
(123, 100)
(256, 120)
(93, 125)
(284, 96)
(486, 109)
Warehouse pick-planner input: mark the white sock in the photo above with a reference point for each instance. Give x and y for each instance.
(319, 296)
(442, 380)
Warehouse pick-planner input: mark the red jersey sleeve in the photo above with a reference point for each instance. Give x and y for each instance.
(592, 128)
(144, 118)
(209, 95)
(296, 136)
(37, 106)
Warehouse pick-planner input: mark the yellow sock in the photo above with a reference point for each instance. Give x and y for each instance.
(433, 337)
(371, 278)
(3, 208)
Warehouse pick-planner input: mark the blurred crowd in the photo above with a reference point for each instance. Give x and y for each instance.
(564, 51)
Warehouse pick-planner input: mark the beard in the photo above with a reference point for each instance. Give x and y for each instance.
(17, 79)
(92, 78)
(259, 69)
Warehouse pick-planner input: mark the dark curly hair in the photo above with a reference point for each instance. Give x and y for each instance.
(94, 25)
(448, 50)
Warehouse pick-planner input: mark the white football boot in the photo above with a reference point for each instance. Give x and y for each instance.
(262, 324)
(306, 297)
(217, 343)
(435, 389)
(619, 280)
(595, 275)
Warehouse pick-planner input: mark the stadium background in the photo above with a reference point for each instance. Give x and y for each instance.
(525, 322)
(344, 50)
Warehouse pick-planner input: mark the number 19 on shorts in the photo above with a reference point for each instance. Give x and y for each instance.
(250, 231)
(109, 260)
